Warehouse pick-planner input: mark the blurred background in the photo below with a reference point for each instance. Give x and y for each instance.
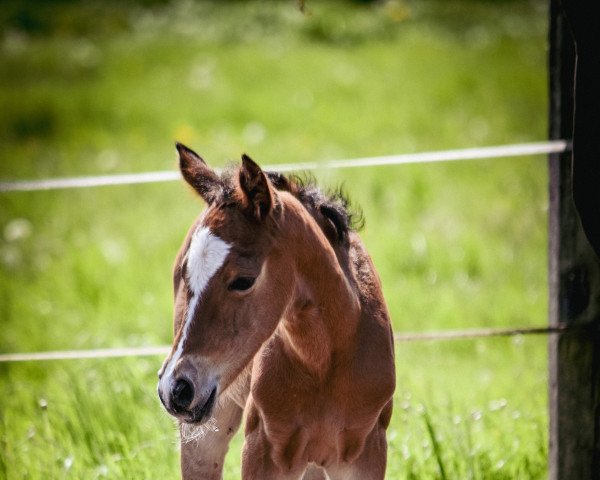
(95, 88)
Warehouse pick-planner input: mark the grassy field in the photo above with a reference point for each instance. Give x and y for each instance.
(106, 87)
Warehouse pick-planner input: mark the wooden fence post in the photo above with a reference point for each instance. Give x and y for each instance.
(574, 270)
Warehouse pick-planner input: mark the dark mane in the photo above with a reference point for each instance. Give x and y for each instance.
(332, 209)
(334, 204)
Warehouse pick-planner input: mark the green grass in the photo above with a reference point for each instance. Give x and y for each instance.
(96, 88)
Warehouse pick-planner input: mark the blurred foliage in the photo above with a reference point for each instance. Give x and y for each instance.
(106, 87)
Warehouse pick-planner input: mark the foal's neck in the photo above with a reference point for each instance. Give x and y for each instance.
(322, 318)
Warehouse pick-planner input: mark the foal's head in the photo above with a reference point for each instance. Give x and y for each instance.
(232, 284)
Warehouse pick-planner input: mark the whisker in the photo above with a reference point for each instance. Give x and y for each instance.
(193, 433)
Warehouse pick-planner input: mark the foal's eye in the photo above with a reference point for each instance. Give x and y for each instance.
(241, 283)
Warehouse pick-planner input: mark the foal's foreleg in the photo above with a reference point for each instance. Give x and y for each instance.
(314, 473)
(369, 465)
(203, 457)
(371, 462)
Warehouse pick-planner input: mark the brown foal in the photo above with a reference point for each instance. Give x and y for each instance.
(279, 316)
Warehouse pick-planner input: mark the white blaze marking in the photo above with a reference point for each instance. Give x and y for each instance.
(206, 255)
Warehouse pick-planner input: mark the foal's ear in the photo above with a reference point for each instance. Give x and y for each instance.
(198, 174)
(256, 188)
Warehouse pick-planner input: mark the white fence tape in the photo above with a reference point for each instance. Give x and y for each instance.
(501, 151)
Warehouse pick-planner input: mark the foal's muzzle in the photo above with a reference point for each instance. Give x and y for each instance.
(188, 400)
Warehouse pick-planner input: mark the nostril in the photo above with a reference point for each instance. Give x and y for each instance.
(183, 394)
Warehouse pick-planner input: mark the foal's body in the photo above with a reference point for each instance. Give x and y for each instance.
(315, 376)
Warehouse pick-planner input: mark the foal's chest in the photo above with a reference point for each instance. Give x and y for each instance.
(311, 425)
(323, 439)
